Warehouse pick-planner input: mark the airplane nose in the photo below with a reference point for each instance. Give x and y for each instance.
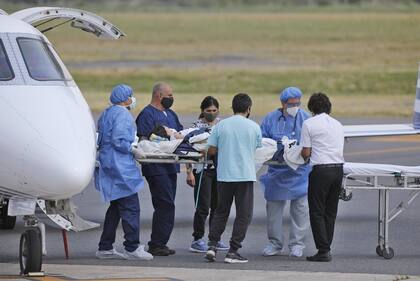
(47, 143)
(60, 157)
(61, 171)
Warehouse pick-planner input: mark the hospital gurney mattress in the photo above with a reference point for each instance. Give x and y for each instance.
(380, 169)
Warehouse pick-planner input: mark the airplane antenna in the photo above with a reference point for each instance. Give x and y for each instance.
(52, 27)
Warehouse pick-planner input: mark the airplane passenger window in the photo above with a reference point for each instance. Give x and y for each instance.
(39, 60)
(6, 72)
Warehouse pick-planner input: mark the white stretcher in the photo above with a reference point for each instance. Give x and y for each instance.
(384, 178)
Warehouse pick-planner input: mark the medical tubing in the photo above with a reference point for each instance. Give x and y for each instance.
(199, 182)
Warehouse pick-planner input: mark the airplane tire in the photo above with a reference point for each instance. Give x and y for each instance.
(6, 222)
(30, 251)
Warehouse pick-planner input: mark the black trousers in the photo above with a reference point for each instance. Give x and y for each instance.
(207, 201)
(243, 193)
(323, 195)
(163, 190)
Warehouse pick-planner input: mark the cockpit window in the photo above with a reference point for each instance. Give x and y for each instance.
(40, 61)
(6, 72)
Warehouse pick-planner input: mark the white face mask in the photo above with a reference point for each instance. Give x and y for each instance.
(133, 103)
(292, 111)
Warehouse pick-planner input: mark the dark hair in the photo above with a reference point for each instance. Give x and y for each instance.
(206, 103)
(319, 103)
(241, 102)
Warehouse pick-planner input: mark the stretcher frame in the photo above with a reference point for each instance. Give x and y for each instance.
(398, 182)
(165, 158)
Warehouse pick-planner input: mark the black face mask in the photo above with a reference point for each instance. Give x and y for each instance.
(247, 116)
(209, 116)
(167, 102)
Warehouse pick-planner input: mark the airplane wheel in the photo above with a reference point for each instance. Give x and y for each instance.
(379, 250)
(6, 222)
(388, 253)
(30, 251)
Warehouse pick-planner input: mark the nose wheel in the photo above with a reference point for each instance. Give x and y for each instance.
(30, 251)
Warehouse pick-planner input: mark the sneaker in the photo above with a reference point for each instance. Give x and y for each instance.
(110, 254)
(320, 257)
(138, 254)
(235, 257)
(211, 254)
(271, 250)
(296, 252)
(198, 246)
(161, 251)
(222, 246)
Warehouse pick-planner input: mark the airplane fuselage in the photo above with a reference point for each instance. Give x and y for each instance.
(47, 133)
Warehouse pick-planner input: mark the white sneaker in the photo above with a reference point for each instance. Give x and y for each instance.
(138, 254)
(111, 254)
(296, 252)
(271, 250)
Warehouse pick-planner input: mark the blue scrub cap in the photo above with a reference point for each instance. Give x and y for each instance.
(290, 93)
(120, 93)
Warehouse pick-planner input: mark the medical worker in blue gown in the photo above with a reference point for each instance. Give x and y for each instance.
(281, 183)
(118, 178)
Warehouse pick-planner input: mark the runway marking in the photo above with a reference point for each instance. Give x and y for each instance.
(383, 151)
(62, 278)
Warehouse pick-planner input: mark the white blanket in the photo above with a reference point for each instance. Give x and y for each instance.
(374, 169)
(265, 153)
(149, 147)
(292, 153)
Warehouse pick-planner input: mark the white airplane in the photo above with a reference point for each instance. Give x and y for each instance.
(48, 139)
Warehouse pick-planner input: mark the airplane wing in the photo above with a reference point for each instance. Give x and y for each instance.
(80, 19)
(354, 131)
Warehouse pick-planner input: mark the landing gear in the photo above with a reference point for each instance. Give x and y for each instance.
(30, 251)
(6, 222)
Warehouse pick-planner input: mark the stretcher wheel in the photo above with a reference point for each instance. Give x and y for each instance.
(388, 253)
(30, 251)
(344, 196)
(379, 250)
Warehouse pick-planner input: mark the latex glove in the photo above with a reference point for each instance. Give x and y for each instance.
(137, 153)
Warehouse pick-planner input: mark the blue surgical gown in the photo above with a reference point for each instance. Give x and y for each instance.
(282, 182)
(118, 175)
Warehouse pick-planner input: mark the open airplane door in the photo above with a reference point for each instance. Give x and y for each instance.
(78, 19)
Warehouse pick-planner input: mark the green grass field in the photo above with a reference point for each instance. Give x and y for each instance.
(367, 61)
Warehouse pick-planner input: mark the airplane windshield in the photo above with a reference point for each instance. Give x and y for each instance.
(40, 61)
(6, 72)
